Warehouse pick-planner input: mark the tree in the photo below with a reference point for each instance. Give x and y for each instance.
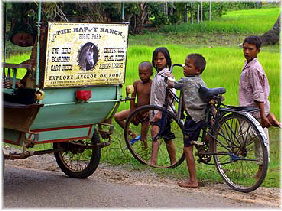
(137, 15)
(271, 37)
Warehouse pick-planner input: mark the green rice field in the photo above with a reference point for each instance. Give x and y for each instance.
(242, 21)
(224, 65)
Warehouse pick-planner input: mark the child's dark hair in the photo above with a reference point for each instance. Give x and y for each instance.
(165, 53)
(199, 61)
(254, 40)
(146, 65)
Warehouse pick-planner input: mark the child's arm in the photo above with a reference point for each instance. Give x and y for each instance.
(264, 121)
(256, 81)
(175, 84)
(132, 101)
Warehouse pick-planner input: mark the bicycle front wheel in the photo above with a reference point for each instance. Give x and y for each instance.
(158, 144)
(240, 151)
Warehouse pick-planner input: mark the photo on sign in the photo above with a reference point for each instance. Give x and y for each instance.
(88, 56)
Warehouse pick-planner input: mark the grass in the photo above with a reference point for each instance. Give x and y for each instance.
(242, 21)
(19, 58)
(230, 29)
(117, 154)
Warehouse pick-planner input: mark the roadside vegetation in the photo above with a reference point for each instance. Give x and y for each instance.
(218, 41)
(239, 21)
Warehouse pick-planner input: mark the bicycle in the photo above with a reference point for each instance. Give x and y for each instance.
(231, 136)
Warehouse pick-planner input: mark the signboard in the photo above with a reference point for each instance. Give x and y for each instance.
(80, 54)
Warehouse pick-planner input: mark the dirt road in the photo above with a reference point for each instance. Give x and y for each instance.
(29, 183)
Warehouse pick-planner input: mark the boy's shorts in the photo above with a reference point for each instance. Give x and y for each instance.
(191, 130)
(165, 128)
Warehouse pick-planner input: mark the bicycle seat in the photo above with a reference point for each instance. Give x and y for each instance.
(207, 93)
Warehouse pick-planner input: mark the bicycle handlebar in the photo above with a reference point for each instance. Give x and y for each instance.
(178, 65)
(172, 66)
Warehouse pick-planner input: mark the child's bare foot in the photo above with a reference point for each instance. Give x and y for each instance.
(132, 135)
(188, 184)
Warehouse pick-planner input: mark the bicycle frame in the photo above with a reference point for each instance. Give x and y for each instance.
(215, 111)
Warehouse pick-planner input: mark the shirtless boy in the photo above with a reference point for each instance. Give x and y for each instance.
(142, 89)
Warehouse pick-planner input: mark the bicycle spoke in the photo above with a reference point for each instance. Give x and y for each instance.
(230, 128)
(223, 136)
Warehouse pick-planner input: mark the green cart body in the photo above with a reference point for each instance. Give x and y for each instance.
(73, 94)
(59, 116)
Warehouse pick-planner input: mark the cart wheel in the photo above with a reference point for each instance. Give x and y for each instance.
(76, 161)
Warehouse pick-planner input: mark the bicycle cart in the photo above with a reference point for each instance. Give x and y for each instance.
(231, 136)
(77, 82)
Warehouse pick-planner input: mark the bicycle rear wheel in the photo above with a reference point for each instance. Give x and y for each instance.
(240, 150)
(140, 143)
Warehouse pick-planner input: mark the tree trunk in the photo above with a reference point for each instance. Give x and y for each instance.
(271, 37)
(140, 18)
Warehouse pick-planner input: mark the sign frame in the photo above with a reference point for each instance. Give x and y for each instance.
(65, 60)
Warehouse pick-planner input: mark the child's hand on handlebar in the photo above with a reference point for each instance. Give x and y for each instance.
(170, 83)
(169, 80)
(167, 74)
(169, 77)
